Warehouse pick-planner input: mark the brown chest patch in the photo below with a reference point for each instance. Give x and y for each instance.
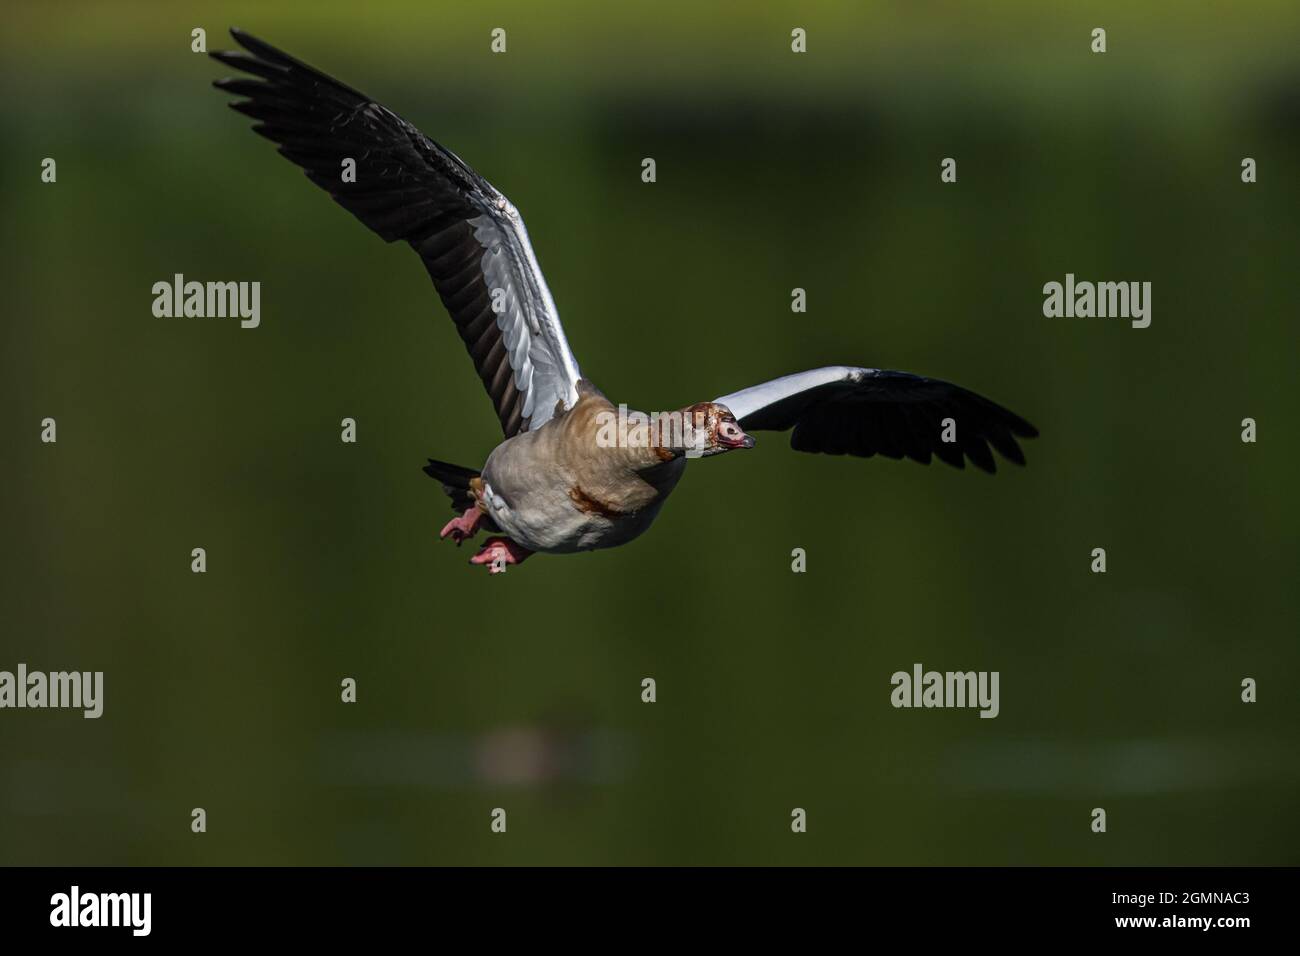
(593, 506)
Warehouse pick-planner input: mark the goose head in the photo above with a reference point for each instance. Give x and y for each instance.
(714, 430)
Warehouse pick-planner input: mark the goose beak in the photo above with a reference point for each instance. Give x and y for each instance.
(744, 441)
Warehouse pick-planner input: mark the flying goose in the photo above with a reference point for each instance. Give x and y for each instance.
(573, 473)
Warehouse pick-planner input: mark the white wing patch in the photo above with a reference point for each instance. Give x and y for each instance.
(543, 366)
(749, 400)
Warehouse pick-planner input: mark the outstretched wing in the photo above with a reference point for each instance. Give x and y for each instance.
(406, 186)
(864, 411)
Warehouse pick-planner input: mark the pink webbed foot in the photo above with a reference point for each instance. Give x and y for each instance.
(463, 527)
(496, 553)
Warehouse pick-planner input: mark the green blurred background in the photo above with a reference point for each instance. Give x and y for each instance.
(774, 171)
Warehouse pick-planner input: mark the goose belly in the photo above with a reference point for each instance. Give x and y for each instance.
(550, 520)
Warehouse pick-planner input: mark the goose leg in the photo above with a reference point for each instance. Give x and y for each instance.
(496, 553)
(463, 527)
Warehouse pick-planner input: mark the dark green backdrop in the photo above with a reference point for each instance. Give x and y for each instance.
(774, 171)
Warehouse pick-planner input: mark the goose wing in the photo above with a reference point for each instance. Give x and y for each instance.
(842, 410)
(407, 187)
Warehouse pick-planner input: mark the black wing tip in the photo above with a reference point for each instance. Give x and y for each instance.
(1016, 457)
(1017, 425)
(906, 423)
(1009, 449)
(244, 39)
(255, 51)
(269, 62)
(253, 44)
(247, 63)
(239, 86)
(1006, 447)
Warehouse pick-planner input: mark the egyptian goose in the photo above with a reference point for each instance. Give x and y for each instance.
(574, 472)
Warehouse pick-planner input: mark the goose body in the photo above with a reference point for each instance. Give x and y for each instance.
(563, 479)
(557, 490)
